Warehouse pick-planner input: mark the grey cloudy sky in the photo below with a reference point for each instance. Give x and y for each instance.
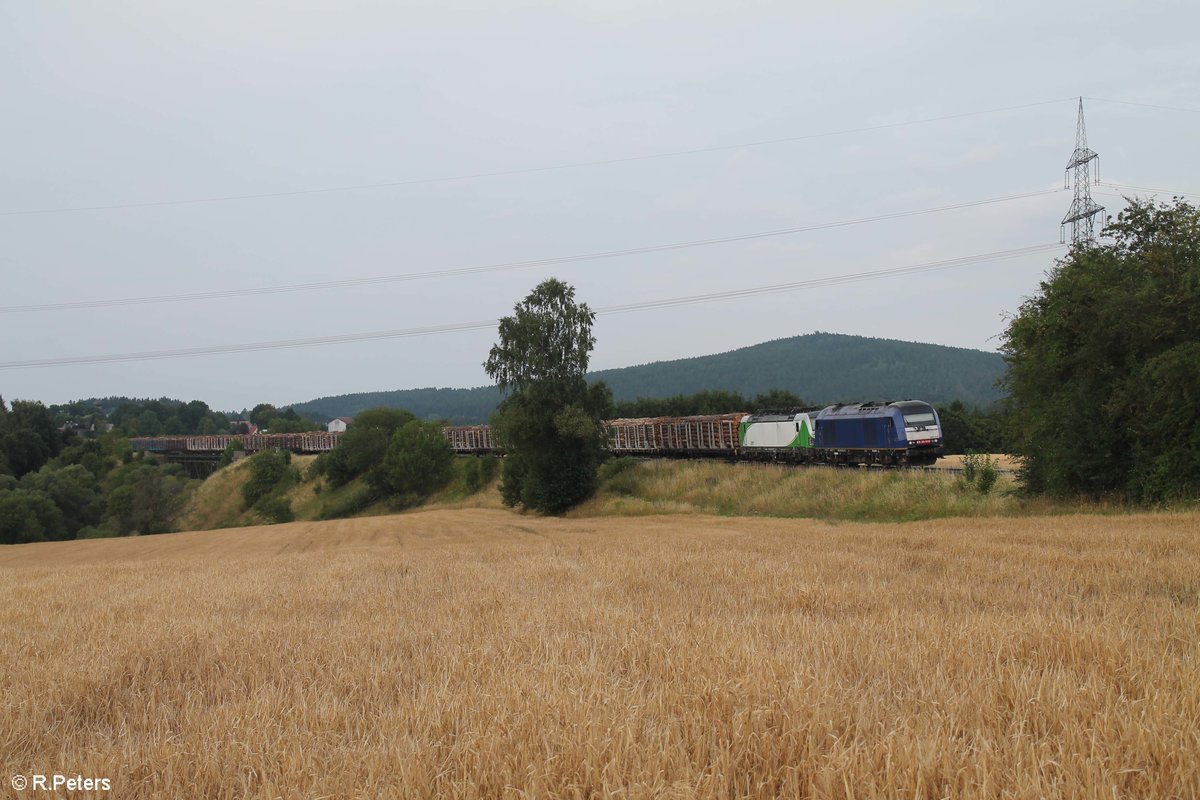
(123, 104)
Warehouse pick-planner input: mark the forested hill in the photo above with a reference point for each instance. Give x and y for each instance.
(820, 367)
(824, 368)
(460, 406)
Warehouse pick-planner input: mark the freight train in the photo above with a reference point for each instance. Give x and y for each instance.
(904, 433)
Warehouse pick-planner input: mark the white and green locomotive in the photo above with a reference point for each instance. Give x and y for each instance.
(777, 435)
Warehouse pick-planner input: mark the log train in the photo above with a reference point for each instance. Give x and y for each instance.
(903, 433)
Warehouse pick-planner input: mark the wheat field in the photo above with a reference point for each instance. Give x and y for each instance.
(480, 653)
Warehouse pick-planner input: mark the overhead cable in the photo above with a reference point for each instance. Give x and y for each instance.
(1172, 192)
(1144, 105)
(401, 333)
(221, 294)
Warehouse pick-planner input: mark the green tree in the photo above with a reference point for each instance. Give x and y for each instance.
(549, 421)
(96, 455)
(269, 470)
(419, 461)
(967, 429)
(148, 423)
(1102, 363)
(777, 398)
(76, 493)
(290, 422)
(262, 414)
(363, 447)
(28, 437)
(146, 498)
(27, 516)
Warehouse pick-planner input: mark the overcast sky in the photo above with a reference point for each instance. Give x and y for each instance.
(139, 104)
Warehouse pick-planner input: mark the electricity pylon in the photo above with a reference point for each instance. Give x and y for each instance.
(1082, 214)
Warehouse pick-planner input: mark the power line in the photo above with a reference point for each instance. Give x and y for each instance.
(858, 277)
(1171, 192)
(524, 170)
(1144, 105)
(504, 266)
(282, 344)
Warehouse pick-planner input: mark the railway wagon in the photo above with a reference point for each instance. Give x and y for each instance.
(700, 436)
(210, 443)
(469, 439)
(309, 442)
(148, 444)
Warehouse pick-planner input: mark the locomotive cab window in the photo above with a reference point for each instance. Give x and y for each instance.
(918, 420)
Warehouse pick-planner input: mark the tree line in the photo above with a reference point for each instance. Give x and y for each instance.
(64, 474)
(169, 417)
(1104, 363)
(55, 485)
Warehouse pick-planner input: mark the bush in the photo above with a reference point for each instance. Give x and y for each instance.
(269, 471)
(275, 508)
(316, 469)
(403, 501)
(352, 501)
(619, 475)
(364, 446)
(471, 478)
(28, 516)
(970, 467)
(227, 454)
(145, 498)
(489, 465)
(987, 477)
(980, 471)
(479, 472)
(419, 461)
(513, 479)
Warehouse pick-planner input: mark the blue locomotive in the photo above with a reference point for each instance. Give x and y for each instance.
(904, 432)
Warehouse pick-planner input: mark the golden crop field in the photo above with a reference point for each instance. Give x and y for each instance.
(481, 653)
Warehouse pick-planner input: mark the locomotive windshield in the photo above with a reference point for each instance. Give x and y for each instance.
(920, 419)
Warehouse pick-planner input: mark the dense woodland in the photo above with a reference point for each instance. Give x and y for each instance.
(1104, 363)
(66, 474)
(59, 485)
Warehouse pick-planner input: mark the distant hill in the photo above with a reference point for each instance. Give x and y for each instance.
(460, 406)
(824, 368)
(820, 367)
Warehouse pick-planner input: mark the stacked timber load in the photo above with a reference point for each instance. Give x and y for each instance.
(704, 435)
(470, 439)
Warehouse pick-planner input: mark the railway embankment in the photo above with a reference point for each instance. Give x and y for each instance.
(637, 487)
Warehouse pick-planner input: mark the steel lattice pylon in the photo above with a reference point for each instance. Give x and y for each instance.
(1081, 216)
